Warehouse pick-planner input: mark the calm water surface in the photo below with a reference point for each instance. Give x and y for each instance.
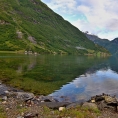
(101, 78)
(70, 78)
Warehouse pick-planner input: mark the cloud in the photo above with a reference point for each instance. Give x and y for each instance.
(63, 6)
(99, 17)
(112, 24)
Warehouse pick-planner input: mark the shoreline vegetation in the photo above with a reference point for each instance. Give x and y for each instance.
(16, 103)
(98, 54)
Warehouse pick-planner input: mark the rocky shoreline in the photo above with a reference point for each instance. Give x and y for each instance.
(19, 104)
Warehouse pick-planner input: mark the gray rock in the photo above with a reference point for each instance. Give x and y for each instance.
(99, 98)
(3, 88)
(19, 34)
(47, 99)
(89, 105)
(102, 105)
(73, 105)
(4, 98)
(32, 39)
(54, 105)
(30, 115)
(20, 117)
(25, 96)
(109, 99)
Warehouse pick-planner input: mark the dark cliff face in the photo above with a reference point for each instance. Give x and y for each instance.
(31, 25)
(111, 46)
(115, 41)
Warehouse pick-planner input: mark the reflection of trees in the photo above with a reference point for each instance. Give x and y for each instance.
(111, 62)
(102, 65)
(12, 65)
(28, 64)
(45, 70)
(61, 68)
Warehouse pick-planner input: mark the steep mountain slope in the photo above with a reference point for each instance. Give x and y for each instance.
(31, 25)
(111, 46)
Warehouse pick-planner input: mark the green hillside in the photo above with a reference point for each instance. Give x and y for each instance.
(31, 25)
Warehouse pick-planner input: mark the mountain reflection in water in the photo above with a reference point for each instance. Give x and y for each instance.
(76, 77)
(97, 80)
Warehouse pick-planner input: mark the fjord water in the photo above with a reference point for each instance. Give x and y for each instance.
(73, 78)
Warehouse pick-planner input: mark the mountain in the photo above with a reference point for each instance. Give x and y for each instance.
(30, 25)
(115, 41)
(114, 46)
(111, 46)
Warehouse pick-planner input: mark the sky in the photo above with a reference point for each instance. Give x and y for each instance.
(98, 17)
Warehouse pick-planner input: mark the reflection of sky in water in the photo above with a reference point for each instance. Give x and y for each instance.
(85, 86)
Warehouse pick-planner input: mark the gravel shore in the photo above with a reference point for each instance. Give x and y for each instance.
(19, 104)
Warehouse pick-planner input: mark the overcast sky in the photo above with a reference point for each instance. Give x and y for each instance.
(99, 17)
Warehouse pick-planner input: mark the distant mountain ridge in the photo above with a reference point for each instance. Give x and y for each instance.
(111, 46)
(115, 41)
(32, 26)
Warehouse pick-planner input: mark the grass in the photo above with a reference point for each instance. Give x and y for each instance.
(2, 113)
(13, 52)
(77, 112)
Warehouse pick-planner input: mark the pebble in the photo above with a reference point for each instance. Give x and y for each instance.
(61, 108)
(20, 117)
(4, 102)
(93, 101)
(4, 98)
(7, 109)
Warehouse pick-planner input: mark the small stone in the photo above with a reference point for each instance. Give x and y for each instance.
(52, 112)
(4, 102)
(30, 105)
(30, 115)
(93, 101)
(61, 108)
(20, 117)
(4, 98)
(42, 101)
(22, 113)
(6, 92)
(32, 102)
(21, 105)
(7, 109)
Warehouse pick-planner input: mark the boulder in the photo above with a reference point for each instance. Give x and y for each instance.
(25, 96)
(102, 105)
(99, 98)
(109, 99)
(89, 105)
